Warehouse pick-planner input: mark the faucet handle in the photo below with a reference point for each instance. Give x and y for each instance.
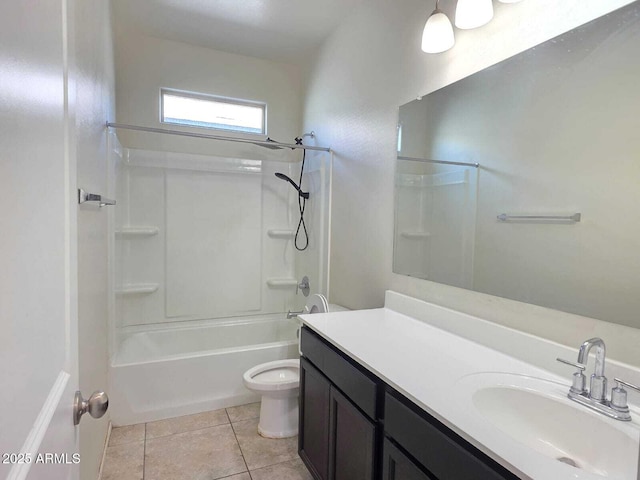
(626, 384)
(579, 380)
(579, 366)
(619, 395)
(304, 286)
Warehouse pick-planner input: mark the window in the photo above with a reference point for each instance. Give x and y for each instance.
(199, 110)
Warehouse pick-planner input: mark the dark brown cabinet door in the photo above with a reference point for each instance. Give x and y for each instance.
(396, 465)
(313, 438)
(351, 441)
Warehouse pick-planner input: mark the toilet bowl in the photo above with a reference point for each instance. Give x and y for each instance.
(278, 382)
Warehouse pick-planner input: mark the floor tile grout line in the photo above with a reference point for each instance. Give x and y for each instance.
(272, 465)
(238, 442)
(189, 431)
(262, 466)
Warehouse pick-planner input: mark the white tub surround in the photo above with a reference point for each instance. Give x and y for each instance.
(432, 368)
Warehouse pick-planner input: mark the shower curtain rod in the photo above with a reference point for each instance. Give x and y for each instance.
(263, 143)
(443, 162)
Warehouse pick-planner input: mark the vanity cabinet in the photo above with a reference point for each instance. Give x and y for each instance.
(353, 426)
(338, 431)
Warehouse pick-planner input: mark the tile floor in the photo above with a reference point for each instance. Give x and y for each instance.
(222, 444)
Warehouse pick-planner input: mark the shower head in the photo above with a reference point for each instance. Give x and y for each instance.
(298, 141)
(271, 147)
(282, 176)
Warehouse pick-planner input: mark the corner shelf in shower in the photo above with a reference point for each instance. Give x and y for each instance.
(282, 282)
(137, 231)
(415, 234)
(286, 234)
(137, 289)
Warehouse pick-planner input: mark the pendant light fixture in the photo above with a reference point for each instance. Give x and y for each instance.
(473, 13)
(437, 36)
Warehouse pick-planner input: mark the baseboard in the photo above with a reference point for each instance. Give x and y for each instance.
(104, 451)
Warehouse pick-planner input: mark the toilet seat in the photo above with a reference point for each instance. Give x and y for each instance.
(270, 376)
(317, 303)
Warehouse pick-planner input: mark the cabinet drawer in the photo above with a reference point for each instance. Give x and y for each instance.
(442, 452)
(351, 380)
(312, 347)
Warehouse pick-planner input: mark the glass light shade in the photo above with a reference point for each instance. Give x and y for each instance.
(473, 13)
(437, 35)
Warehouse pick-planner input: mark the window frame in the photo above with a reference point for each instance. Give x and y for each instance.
(214, 98)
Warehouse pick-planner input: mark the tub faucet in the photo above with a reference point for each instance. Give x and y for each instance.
(291, 314)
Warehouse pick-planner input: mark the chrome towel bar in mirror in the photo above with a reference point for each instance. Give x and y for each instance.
(576, 217)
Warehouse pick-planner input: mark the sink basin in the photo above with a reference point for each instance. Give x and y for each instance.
(537, 414)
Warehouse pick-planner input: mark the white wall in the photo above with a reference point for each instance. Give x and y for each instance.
(365, 70)
(145, 64)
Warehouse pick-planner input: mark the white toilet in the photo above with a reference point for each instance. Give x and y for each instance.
(278, 382)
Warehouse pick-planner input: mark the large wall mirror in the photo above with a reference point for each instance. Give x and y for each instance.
(556, 132)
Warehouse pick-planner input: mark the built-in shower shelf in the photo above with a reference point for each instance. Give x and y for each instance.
(286, 234)
(137, 289)
(282, 282)
(137, 231)
(410, 234)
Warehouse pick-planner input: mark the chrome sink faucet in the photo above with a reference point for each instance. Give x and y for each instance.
(598, 385)
(596, 397)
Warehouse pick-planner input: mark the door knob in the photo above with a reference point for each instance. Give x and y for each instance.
(96, 405)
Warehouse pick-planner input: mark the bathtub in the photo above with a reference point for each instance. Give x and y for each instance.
(167, 372)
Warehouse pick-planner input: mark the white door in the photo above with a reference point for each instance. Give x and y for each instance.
(38, 286)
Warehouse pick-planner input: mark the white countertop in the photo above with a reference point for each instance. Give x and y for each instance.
(426, 364)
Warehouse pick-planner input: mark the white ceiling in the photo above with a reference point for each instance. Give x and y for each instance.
(279, 30)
